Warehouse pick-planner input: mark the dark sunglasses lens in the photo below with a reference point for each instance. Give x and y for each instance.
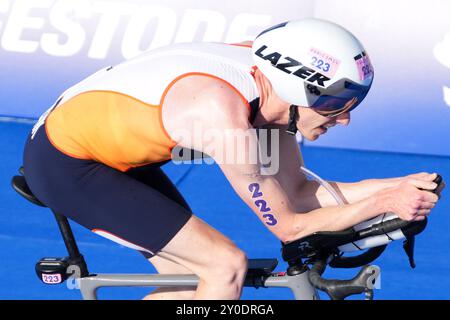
(330, 105)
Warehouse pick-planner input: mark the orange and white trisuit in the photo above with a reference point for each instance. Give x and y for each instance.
(109, 126)
(114, 116)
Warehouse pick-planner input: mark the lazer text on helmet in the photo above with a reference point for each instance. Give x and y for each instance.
(285, 64)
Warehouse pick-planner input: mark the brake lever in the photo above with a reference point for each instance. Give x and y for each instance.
(409, 243)
(408, 246)
(438, 181)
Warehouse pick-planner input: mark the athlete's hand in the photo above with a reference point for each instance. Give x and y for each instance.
(425, 176)
(407, 200)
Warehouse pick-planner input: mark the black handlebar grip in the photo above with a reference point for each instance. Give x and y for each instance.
(438, 181)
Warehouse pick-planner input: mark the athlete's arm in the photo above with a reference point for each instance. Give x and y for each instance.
(268, 198)
(309, 195)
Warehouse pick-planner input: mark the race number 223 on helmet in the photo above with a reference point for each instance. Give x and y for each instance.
(314, 63)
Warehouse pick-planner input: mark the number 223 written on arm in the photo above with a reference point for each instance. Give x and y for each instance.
(262, 204)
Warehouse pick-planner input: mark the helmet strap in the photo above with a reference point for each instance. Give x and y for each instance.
(293, 116)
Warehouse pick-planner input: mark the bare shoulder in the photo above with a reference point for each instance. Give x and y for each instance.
(204, 99)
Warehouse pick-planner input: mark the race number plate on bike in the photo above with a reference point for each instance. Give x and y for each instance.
(52, 278)
(52, 270)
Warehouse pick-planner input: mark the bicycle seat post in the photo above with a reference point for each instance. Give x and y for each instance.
(76, 258)
(66, 232)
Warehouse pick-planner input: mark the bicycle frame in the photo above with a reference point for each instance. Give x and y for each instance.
(298, 284)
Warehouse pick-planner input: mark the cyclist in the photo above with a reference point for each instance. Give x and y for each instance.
(95, 155)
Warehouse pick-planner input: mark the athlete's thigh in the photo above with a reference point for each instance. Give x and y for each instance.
(192, 248)
(154, 177)
(125, 208)
(198, 247)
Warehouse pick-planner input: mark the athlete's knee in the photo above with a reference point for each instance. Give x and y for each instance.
(230, 265)
(238, 265)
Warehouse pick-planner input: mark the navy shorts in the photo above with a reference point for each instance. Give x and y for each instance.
(140, 208)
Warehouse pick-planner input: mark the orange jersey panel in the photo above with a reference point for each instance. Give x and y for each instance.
(110, 127)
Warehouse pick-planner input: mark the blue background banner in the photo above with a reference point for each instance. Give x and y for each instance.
(48, 45)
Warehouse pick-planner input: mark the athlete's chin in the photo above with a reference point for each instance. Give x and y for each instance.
(313, 135)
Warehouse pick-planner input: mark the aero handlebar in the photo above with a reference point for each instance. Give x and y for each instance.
(321, 249)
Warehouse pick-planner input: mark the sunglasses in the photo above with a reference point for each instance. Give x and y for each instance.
(341, 97)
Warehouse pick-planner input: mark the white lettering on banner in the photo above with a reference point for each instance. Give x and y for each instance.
(71, 21)
(215, 24)
(447, 95)
(165, 29)
(111, 13)
(442, 51)
(4, 8)
(442, 54)
(63, 17)
(20, 20)
(242, 22)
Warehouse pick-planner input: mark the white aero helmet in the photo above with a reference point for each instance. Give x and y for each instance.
(314, 63)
